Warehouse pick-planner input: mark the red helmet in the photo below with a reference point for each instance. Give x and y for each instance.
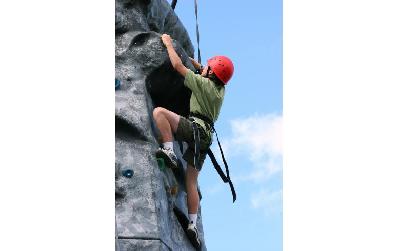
(222, 67)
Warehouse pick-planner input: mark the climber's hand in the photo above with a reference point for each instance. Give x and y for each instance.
(176, 61)
(195, 64)
(166, 40)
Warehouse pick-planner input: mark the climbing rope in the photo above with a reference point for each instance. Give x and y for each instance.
(173, 4)
(197, 33)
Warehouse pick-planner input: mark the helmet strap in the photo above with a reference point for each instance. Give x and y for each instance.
(208, 70)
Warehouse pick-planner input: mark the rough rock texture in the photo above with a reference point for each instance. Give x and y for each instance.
(144, 202)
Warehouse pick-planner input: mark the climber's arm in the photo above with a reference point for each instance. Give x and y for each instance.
(195, 64)
(173, 56)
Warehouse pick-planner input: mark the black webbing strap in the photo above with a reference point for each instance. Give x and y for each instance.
(197, 33)
(196, 137)
(217, 167)
(225, 178)
(180, 145)
(173, 4)
(202, 117)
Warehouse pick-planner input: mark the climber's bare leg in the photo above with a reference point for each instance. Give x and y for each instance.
(191, 189)
(167, 123)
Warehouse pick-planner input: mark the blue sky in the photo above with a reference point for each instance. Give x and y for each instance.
(250, 123)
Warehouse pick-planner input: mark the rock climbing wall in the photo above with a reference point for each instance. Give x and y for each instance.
(149, 198)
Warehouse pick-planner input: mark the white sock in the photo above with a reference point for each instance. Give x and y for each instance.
(193, 218)
(169, 145)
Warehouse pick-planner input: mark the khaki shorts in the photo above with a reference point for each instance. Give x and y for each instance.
(184, 132)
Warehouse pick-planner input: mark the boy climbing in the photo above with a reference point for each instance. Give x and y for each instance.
(208, 91)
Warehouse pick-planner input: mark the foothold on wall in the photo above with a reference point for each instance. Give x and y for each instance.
(173, 190)
(117, 84)
(127, 173)
(161, 164)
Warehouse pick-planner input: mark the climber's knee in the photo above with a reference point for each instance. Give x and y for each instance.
(173, 118)
(157, 112)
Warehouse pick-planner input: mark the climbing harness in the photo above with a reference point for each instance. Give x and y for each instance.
(225, 178)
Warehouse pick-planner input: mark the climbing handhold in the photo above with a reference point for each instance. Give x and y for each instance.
(117, 84)
(161, 164)
(173, 190)
(127, 173)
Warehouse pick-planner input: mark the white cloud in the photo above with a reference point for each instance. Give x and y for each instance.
(260, 134)
(258, 138)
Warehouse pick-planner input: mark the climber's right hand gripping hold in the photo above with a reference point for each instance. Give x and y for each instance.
(173, 56)
(196, 64)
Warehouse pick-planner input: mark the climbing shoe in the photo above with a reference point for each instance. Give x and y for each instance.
(193, 235)
(169, 157)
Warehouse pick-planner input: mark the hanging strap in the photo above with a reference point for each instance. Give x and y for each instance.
(225, 178)
(196, 137)
(173, 4)
(197, 33)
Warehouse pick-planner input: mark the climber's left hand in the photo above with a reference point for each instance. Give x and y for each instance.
(166, 39)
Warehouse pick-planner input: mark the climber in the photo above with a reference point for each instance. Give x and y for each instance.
(205, 103)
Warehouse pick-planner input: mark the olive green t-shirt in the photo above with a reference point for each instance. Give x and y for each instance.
(206, 97)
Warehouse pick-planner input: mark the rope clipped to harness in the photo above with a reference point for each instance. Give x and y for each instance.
(225, 178)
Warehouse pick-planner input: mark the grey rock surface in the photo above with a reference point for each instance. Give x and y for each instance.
(144, 203)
